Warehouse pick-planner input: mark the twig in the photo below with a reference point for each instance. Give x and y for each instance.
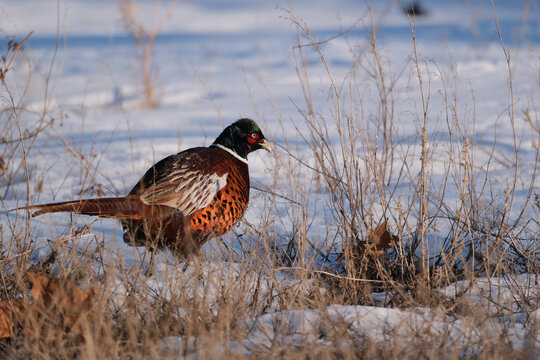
(15, 51)
(327, 273)
(322, 42)
(275, 194)
(45, 245)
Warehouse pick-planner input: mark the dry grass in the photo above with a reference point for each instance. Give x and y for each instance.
(144, 37)
(367, 173)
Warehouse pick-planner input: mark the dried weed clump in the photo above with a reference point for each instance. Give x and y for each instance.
(443, 228)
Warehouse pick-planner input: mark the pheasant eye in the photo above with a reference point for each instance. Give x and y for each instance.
(252, 138)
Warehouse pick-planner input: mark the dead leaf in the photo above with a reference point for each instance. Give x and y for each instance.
(375, 244)
(61, 299)
(56, 302)
(382, 239)
(11, 316)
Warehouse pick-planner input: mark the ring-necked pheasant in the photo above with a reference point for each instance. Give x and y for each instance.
(184, 199)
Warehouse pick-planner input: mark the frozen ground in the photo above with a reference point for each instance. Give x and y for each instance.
(216, 63)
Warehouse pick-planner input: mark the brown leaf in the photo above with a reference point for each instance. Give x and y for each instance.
(382, 239)
(56, 302)
(11, 316)
(375, 244)
(60, 299)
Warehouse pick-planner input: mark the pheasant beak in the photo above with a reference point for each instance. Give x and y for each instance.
(264, 145)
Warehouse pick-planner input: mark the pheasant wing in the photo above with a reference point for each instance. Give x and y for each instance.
(187, 181)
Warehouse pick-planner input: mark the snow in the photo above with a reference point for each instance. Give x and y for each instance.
(389, 326)
(216, 63)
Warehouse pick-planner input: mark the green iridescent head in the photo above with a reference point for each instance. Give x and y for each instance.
(243, 136)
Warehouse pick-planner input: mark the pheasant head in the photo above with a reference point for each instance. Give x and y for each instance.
(242, 137)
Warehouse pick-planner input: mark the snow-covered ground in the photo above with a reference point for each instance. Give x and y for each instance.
(215, 63)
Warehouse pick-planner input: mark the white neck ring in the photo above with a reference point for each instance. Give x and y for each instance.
(230, 152)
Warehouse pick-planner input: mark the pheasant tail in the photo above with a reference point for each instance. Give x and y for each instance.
(123, 208)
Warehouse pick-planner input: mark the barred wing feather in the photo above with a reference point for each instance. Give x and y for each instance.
(186, 188)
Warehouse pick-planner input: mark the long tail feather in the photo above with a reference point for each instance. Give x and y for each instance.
(123, 208)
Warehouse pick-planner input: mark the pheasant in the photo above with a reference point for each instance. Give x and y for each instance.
(185, 199)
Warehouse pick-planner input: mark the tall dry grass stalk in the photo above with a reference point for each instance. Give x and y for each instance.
(144, 37)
